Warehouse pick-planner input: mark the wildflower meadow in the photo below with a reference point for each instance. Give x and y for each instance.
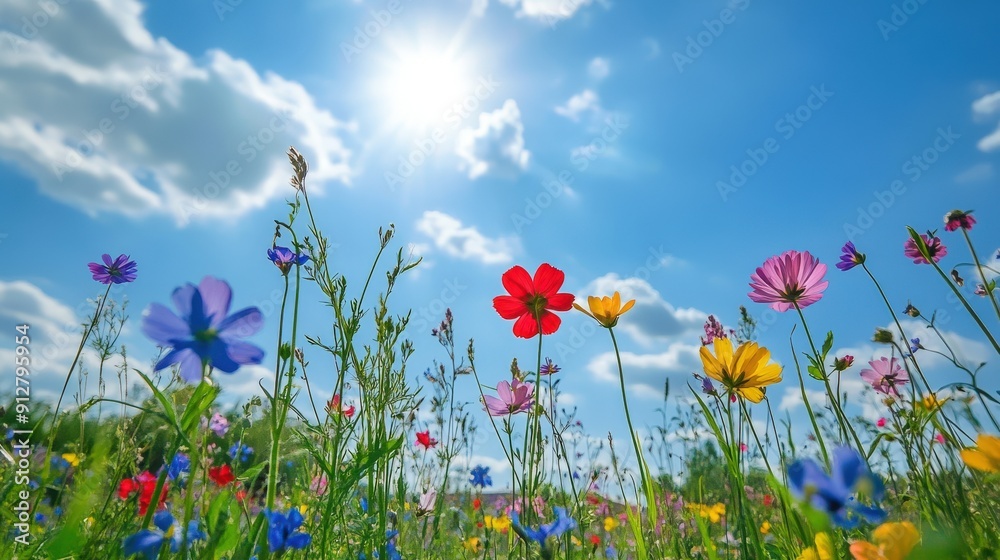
(472, 280)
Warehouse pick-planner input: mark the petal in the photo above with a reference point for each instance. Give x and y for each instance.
(188, 361)
(163, 520)
(550, 322)
(509, 307)
(145, 542)
(548, 280)
(243, 323)
(517, 282)
(628, 305)
(504, 392)
(107, 260)
(216, 297)
(990, 446)
(163, 326)
(182, 300)
(752, 394)
(560, 302)
(526, 326)
(978, 460)
(298, 540)
(244, 353)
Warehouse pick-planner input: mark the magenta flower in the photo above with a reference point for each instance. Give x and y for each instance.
(789, 280)
(885, 375)
(959, 219)
(514, 397)
(118, 271)
(219, 424)
(935, 249)
(203, 332)
(850, 257)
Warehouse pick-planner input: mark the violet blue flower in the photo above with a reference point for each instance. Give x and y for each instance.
(835, 493)
(283, 530)
(284, 258)
(118, 271)
(561, 524)
(481, 476)
(850, 257)
(203, 332)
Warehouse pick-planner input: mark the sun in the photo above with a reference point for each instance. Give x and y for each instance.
(415, 87)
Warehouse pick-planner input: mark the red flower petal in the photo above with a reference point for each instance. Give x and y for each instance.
(509, 307)
(560, 302)
(550, 322)
(518, 282)
(526, 326)
(548, 280)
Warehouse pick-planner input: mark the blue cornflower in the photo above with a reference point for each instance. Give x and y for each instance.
(610, 552)
(390, 546)
(562, 524)
(40, 518)
(481, 477)
(179, 466)
(202, 332)
(283, 530)
(284, 258)
(915, 345)
(148, 542)
(363, 502)
(835, 493)
(243, 450)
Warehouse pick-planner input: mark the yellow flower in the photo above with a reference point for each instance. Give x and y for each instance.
(893, 541)
(765, 528)
(932, 403)
(72, 458)
(574, 540)
(606, 310)
(473, 544)
(712, 513)
(986, 457)
(610, 524)
(822, 551)
(303, 508)
(500, 524)
(745, 372)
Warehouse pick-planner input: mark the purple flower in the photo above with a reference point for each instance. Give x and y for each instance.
(218, 424)
(959, 219)
(850, 257)
(514, 397)
(202, 332)
(935, 249)
(713, 330)
(549, 367)
(885, 375)
(789, 280)
(118, 271)
(284, 258)
(707, 387)
(834, 493)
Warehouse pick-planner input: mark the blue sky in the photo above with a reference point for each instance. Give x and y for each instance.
(695, 140)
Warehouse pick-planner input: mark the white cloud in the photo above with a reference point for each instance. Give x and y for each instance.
(478, 7)
(108, 118)
(976, 173)
(652, 319)
(646, 373)
(465, 242)
(496, 146)
(982, 108)
(599, 68)
(546, 10)
(583, 102)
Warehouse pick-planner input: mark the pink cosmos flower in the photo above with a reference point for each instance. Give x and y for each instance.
(939, 438)
(959, 219)
(881, 422)
(788, 280)
(935, 248)
(427, 501)
(515, 397)
(885, 375)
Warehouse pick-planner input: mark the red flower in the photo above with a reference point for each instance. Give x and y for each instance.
(768, 499)
(476, 504)
(145, 485)
(425, 439)
(221, 475)
(595, 540)
(241, 495)
(533, 300)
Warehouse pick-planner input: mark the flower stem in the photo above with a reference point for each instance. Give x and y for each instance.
(982, 275)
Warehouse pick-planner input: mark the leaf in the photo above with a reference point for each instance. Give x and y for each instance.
(199, 403)
(815, 372)
(827, 344)
(168, 409)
